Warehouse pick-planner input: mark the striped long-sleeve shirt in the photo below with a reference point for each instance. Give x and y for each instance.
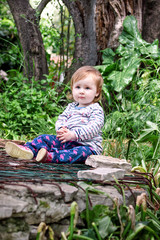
(86, 122)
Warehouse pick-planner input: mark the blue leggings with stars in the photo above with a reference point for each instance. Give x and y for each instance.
(68, 152)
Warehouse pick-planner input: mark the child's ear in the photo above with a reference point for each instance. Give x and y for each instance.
(98, 92)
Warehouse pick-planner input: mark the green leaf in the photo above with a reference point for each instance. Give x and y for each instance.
(108, 56)
(153, 126)
(149, 133)
(152, 50)
(119, 80)
(107, 93)
(139, 228)
(106, 227)
(130, 34)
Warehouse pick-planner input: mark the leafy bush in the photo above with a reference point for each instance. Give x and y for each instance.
(120, 222)
(29, 109)
(131, 84)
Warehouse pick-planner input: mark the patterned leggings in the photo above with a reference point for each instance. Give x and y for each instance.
(68, 152)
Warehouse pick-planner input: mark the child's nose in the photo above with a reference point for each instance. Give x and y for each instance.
(81, 90)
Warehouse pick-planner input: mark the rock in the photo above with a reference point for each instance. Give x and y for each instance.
(106, 161)
(10, 205)
(103, 195)
(102, 174)
(14, 236)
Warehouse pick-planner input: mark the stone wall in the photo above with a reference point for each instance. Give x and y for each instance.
(24, 205)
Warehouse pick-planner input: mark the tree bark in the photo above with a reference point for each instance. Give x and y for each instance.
(151, 20)
(120, 9)
(83, 14)
(98, 24)
(35, 63)
(41, 6)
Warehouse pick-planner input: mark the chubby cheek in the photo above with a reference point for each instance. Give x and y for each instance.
(74, 94)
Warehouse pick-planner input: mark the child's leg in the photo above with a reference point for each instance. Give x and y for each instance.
(30, 149)
(76, 154)
(49, 142)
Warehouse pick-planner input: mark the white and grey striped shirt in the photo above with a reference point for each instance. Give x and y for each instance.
(86, 122)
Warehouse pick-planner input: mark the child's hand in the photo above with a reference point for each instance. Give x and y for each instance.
(62, 130)
(65, 135)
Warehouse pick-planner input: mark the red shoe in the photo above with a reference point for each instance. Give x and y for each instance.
(43, 156)
(18, 151)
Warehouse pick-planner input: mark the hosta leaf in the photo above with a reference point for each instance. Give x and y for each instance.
(121, 79)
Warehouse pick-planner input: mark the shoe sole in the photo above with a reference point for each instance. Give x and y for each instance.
(15, 151)
(41, 155)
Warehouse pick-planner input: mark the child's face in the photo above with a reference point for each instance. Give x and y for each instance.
(84, 91)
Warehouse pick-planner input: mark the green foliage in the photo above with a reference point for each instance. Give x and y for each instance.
(50, 37)
(10, 51)
(131, 86)
(29, 109)
(58, 37)
(120, 222)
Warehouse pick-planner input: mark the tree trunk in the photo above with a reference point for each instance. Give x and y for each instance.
(98, 24)
(83, 14)
(35, 63)
(110, 15)
(151, 20)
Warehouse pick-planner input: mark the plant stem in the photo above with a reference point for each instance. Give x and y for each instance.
(76, 236)
(96, 230)
(87, 209)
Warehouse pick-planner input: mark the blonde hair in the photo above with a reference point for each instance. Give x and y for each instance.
(84, 72)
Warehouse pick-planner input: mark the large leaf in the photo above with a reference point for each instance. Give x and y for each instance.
(120, 79)
(108, 56)
(106, 227)
(150, 50)
(126, 51)
(130, 34)
(131, 38)
(106, 69)
(98, 212)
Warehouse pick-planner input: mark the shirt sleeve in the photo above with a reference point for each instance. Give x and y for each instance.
(93, 128)
(62, 119)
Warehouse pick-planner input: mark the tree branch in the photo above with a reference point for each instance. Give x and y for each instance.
(41, 6)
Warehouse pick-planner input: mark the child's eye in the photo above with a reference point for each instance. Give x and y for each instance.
(87, 88)
(78, 87)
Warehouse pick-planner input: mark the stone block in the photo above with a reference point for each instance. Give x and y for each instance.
(102, 174)
(69, 192)
(14, 236)
(100, 161)
(104, 195)
(9, 205)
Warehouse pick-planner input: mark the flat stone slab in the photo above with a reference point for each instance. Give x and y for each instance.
(100, 161)
(102, 174)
